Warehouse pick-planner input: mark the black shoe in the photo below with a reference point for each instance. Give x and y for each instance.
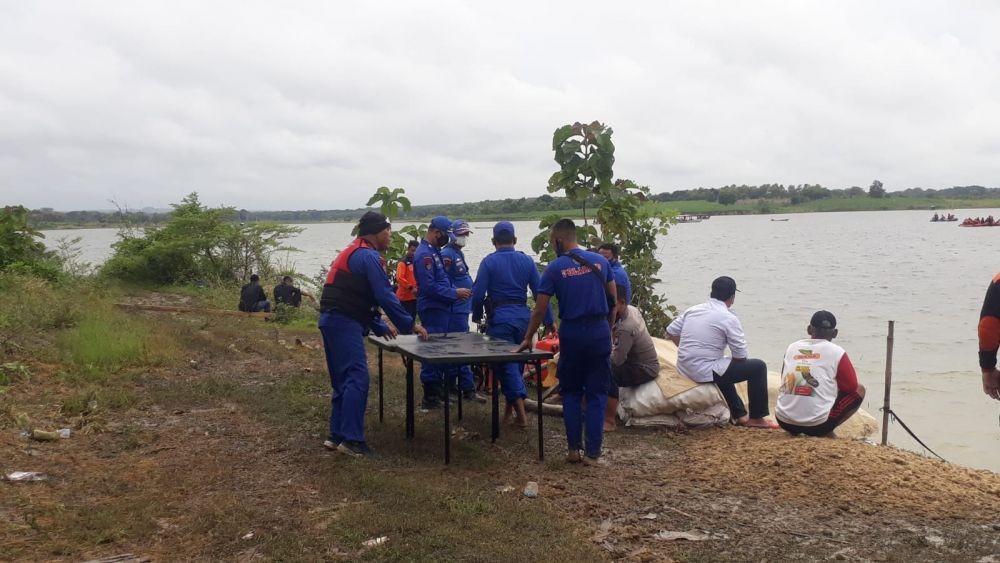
(429, 403)
(355, 449)
(471, 395)
(332, 442)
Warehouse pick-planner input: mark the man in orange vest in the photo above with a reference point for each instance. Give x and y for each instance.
(356, 286)
(406, 283)
(989, 339)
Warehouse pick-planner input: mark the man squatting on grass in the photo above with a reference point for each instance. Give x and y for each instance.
(819, 388)
(584, 336)
(356, 286)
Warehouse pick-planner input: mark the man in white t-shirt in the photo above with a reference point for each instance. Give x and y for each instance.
(819, 388)
(702, 334)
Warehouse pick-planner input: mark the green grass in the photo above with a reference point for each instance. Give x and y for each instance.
(108, 339)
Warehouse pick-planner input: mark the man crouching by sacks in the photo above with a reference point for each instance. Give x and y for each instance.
(356, 286)
(819, 389)
(633, 355)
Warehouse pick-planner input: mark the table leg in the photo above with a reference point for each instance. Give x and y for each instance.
(381, 389)
(409, 397)
(541, 433)
(495, 396)
(447, 420)
(460, 402)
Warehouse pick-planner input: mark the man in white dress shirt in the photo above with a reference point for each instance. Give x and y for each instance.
(702, 334)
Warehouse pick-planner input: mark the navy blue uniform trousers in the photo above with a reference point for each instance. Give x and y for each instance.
(344, 344)
(584, 371)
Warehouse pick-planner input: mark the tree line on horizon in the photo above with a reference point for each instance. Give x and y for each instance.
(501, 208)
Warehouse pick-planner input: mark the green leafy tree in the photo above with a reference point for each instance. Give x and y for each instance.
(876, 189)
(586, 158)
(21, 250)
(197, 244)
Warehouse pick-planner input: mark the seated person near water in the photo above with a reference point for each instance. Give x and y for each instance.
(819, 388)
(702, 334)
(287, 294)
(252, 297)
(633, 355)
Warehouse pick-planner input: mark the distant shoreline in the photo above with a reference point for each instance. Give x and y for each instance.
(763, 207)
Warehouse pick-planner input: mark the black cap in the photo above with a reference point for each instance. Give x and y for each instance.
(823, 319)
(723, 287)
(254, 277)
(372, 223)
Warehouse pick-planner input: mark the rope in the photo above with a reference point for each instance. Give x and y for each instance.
(895, 418)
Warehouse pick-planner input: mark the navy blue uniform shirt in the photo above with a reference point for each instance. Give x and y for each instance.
(505, 275)
(434, 289)
(580, 294)
(621, 278)
(458, 272)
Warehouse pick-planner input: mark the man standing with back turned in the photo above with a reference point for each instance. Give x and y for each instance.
(702, 334)
(356, 286)
(501, 287)
(582, 282)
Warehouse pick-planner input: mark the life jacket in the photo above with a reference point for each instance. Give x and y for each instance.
(348, 292)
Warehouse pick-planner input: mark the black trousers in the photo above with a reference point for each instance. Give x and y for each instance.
(754, 372)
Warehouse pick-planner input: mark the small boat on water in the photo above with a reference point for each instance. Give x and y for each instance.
(980, 222)
(689, 219)
(943, 218)
(778, 220)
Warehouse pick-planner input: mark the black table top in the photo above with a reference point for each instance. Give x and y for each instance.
(458, 348)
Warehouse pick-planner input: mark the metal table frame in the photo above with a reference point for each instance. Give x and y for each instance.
(480, 361)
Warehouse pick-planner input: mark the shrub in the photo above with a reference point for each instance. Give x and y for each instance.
(196, 244)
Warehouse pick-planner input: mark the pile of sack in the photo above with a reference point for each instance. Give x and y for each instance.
(674, 400)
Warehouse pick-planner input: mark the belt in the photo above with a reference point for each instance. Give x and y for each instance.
(587, 319)
(509, 302)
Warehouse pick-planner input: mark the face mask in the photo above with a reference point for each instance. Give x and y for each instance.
(559, 248)
(460, 241)
(442, 240)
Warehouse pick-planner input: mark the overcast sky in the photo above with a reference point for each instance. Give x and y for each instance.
(299, 105)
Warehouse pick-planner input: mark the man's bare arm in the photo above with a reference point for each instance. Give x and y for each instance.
(541, 304)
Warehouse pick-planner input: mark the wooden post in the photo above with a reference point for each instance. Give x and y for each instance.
(888, 385)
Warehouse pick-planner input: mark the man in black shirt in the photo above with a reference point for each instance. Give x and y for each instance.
(252, 297)
(288, 294)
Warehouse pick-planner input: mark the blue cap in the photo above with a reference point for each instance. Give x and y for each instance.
(460, 227)
(502, 227)
(441, 222)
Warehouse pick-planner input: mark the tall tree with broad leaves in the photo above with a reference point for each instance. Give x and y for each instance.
(586, 158)
(585, 155)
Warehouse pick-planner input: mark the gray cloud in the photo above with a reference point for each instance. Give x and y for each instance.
(315, 104)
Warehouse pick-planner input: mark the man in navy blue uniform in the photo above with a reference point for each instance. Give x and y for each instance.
(583, 284)
(356, 286)
(610, 251)
(502, 284)
(435, 297)
(458, 272)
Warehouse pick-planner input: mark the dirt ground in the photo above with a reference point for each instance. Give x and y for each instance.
(219, 458)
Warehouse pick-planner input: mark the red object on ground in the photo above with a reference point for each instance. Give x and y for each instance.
(550, 344)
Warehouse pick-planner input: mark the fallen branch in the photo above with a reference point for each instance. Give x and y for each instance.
(194, 310)
(553, 410)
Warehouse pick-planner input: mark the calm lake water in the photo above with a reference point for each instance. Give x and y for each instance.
(867, 268)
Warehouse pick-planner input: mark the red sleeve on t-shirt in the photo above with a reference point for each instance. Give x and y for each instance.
(847, 378)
